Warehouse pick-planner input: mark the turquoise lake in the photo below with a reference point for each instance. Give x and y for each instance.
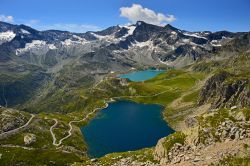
(139, 76)
(125, 126)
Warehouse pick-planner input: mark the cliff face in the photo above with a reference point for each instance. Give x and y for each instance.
(225, 90)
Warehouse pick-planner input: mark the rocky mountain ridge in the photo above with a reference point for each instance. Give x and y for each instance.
(165, 44)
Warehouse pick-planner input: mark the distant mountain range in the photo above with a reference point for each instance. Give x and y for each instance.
(139, 44)
(30, 58)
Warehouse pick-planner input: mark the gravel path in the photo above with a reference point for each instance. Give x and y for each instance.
(51, 132)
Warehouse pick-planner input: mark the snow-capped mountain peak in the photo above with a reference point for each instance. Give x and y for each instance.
(140, 42)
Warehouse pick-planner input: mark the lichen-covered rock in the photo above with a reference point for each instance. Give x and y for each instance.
(29, 139)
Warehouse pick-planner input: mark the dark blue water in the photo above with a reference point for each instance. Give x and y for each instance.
(138, 76)
(125, 126)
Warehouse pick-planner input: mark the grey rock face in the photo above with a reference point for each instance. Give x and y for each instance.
(223, 94)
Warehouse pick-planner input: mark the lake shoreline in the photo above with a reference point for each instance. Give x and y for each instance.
(141, 75)
(143, 115)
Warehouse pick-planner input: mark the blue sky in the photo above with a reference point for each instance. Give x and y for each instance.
(84, 15)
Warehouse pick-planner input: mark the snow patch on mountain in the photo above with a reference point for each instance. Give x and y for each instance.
(100, 37)
(216, 43)
(52, 47)
(36, 47)
(173, 33)
(168, 63)
(6, 36)
(75, 41)
(131, 29)
(24, 31)
(197, 35)
(79, 38)
(185, 40)
(107, 38)
(148, 44)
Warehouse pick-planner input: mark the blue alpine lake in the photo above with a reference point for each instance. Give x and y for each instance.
(138, 76)
(125, 126)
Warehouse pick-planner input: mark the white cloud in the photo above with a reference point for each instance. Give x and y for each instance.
(137, 13)
(6, 18)
(69, 27)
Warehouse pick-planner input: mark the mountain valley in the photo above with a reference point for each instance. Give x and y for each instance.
(54, 82)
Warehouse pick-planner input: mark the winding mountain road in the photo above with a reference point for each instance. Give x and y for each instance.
(70, 126)
(51, 132)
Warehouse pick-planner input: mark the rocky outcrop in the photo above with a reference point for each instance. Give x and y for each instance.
(226, 131)
(218, 127)
(29, 139)
(176, 154)
(206, 155)
(10, 119)
(160, 153)
(230, 130)
(225, 90)
(190, 121)
(169, 147)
